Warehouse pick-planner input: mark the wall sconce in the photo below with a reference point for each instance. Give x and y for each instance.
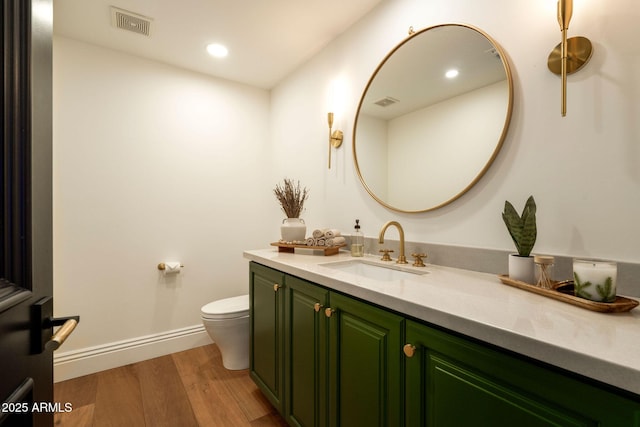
(571, 54)
(335, 136)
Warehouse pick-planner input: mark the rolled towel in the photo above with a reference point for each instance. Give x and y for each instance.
(319, 232)
(321, 242)
(335, 241)
(332, 232)
(310, 241)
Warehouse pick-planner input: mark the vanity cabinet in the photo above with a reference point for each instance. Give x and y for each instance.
(365, 364)
(266, 357)
(306, 353)
(324, 359)
(453, 381)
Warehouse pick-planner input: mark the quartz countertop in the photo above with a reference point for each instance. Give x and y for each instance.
(601, 346)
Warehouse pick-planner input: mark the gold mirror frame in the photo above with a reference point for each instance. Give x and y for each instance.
(509, 108)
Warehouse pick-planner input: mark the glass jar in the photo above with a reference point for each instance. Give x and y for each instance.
(544, 271)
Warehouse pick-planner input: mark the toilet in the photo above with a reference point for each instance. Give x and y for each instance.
(227, 323)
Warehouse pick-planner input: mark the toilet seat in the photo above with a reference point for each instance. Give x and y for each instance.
(228, 308)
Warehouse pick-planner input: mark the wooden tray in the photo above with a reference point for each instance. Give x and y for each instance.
(328, 250)
(563, 291)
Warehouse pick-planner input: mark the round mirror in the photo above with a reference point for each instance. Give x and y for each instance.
(432, 118)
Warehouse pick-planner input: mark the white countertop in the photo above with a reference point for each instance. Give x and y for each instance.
(602, 346)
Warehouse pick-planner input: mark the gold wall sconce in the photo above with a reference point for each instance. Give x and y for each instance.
(571, 54)
(335, 136)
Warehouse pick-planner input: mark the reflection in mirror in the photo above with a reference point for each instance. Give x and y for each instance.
(422, 139)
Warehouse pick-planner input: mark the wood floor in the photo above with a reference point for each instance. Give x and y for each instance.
(190, 388)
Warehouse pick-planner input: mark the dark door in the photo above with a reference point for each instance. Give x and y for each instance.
(25, 214)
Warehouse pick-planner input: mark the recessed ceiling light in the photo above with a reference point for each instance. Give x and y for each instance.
(217, 50)
(451, 73)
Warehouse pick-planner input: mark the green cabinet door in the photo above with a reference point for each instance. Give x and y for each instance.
(266, 296)
(454, 382)
(305, 353)
(365, 364)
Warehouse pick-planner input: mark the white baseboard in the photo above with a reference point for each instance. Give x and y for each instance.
(89, 360)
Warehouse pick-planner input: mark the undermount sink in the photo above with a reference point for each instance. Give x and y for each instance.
(374, 271)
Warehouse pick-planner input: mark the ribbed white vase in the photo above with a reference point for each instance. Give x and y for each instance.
(293, 230)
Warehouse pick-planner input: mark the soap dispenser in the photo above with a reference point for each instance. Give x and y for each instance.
(357, 241)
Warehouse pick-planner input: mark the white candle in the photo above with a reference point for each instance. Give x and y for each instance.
(595, 279)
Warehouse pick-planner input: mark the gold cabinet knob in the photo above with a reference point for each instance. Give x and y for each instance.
(276, 287)
(385, 254)
(418, 260)
(329, 311)
(409, 350)
(317, 306)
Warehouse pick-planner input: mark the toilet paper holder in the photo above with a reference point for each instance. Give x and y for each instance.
(162, 266)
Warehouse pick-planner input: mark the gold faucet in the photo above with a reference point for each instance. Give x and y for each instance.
(401, 258)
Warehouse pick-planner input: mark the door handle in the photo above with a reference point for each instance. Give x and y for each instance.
(63, 332)
(42, 323)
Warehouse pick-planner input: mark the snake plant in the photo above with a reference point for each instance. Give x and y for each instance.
(522, 228)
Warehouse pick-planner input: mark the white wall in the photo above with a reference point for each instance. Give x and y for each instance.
(449, 143)
(584, 169)
(152, 163)
(373, 162)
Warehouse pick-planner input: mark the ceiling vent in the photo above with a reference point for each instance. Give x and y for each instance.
(493, 51)
(130, 21)
(385, 102)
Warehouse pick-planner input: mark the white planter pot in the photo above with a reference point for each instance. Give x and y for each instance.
(522, 268)
(293, 230)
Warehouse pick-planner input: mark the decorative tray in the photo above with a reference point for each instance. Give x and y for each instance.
(328, 250)
(563, 291)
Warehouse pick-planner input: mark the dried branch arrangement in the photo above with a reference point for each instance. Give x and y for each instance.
(291, 197)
